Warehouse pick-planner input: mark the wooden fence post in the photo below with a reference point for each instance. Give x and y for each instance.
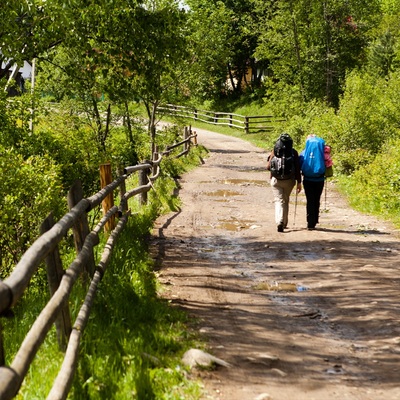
(143, 181)
(155, 157)
(108, 202)
(55, 272)
(81, 228)
(246, 124)
(195, 138)
(185, 136)
(122, 189)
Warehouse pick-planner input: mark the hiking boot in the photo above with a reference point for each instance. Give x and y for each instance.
(280, 228)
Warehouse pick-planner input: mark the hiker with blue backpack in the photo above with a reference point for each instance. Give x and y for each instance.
(314, 160)
(283, 163)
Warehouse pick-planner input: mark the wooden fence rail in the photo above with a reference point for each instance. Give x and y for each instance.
(249, 124)
(61, 281)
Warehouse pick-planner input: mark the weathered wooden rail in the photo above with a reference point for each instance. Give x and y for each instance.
(249, 124)
(61, 281)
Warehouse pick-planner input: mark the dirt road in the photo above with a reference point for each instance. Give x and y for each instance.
(300, 314)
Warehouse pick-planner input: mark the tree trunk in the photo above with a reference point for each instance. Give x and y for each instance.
(297, 49)
(107, 130)
(97, 118)
(231, 77)
(128, 123)
(328, 67)
(153, 127)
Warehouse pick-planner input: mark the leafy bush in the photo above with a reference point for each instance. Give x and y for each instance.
(29, 190)
(14, 121)
(375, 188)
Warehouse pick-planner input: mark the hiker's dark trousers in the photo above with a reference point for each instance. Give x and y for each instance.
(313, 192)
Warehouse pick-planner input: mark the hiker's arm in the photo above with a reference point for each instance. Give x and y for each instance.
(269, 161)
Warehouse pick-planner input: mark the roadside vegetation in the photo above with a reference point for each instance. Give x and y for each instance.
(103, 68)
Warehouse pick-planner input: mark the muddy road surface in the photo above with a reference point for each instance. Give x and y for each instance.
(298, 315)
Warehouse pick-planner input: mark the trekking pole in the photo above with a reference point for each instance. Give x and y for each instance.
(295, 209)
(326, 191)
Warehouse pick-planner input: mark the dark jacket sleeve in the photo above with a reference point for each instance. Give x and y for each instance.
(269, 160)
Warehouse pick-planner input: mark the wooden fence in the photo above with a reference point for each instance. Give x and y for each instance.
(259, 123)
(61, 281)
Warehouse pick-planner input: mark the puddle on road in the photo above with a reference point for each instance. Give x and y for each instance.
(245, 182)
(223, 193)
(254, 169)
(242, 182)
(280, 287)
(234, 225)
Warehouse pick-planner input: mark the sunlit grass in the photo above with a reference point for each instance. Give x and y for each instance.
(134, 340)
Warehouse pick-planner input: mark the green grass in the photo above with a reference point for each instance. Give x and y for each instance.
(134, 340)
(264, 140)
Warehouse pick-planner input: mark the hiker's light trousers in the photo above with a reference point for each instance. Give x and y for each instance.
(281, 189)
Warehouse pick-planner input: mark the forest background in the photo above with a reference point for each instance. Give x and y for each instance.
(104, 67)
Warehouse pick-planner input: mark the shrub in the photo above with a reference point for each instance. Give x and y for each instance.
(27, 195)
(375, 188)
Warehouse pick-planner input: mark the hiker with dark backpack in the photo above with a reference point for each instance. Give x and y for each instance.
(283, 163)
(313, 168)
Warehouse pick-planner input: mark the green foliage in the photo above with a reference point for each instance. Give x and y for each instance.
(63, 134)
(375, 188)
(382, 56)
(14, 121)
(312, 44)
(223, 40)
(66, 138)
(210, 25)
(27, 196)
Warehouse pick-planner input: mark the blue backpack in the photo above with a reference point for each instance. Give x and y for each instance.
(312, 158)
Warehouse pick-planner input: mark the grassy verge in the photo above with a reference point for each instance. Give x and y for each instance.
(264, 140)
(134, 341)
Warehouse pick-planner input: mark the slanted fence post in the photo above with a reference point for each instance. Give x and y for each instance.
(81, 228)
(55, 272)
(108, 202)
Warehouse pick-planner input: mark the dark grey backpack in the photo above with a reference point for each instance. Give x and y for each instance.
(282, 162)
